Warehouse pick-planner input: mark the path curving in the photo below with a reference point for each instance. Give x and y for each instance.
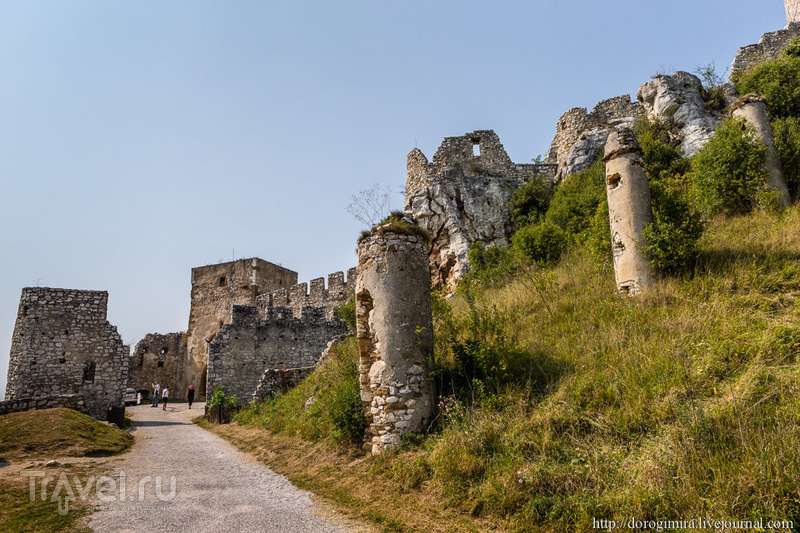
(217, 488)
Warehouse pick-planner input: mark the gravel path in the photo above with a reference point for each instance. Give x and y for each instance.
(217, 488)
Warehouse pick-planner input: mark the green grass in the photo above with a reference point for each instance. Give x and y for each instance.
(680, 403)
(58, 432)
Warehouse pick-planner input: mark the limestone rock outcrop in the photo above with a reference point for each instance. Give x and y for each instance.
(678, 99)
(792, 10)
(461, 197)
(580, 134)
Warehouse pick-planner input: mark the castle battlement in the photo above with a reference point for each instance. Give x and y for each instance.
(297, 297)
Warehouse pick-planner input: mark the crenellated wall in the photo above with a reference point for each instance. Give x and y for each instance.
(338, 291)
(769, 46)
(248, 346)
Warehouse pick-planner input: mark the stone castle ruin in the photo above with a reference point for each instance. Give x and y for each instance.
(64, 353)
(395, 334)
(216, 289)
(461, 197)
(158, 359)
(580, 134)
(629, 211)
(253, 343)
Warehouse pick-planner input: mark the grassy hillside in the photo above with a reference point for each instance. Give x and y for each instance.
(565, 402)
(50, 434)
(58, 433)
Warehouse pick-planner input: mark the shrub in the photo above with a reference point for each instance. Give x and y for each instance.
(673, 235)
(728, 173)
(542, 243)
(529, 203)
(778, 81)
(491, 263)
(576, 200)
(787, 142)
(218, 397)
(347, 312)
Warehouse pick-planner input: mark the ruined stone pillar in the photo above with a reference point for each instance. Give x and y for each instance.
(629, 210)
(395, 332)
(753, 110)
(792, 11)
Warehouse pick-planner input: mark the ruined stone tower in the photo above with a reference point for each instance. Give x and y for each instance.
(792, 10)
(215, 290)
(753, 109)
(461, 197)
(63, 347)
(629, 210)
(159, 359)
(395, 336)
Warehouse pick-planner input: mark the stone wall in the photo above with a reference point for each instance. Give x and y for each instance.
(395, 335)
(69, 401)
(279, 380)
(461, 197)
(159, 359)
(297, 297)
(769, 47)
(245, 348)
(216, 289)
(580, 134)
(63, 346)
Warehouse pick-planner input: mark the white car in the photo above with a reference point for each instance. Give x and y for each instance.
(130, 396)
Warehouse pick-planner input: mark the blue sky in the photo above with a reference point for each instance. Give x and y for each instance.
(141, 139)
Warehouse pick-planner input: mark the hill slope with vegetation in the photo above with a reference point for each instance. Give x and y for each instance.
(562, 402)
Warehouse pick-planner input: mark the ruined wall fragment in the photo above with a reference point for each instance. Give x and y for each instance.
(461, 197)
(248, 346)
(395, 336)
(770, 45)
(629, 210)
(62, 348)
(580, 134)
(753, 109)
(158, 358)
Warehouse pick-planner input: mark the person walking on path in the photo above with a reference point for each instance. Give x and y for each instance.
(165, 398)
(156, 392)
(190, 395)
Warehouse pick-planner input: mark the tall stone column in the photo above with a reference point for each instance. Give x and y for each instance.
(395, 332)
(792, 10)
(629, 210)
(753, 110)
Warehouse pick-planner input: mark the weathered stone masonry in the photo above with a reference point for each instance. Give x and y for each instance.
(63, 348)
(769, 46)
(249, 345)
(395, 335)
(461, 197)
(298, 296)
(215, 290)
(159, 359)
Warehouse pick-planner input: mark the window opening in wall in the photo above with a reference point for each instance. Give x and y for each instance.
(25, 311)
(66, 332)
(164, 350)
(88, 371)
(33, 363)
(222, 281)
(476, 148)
(161, 364)
(62, 361)
(141, 359)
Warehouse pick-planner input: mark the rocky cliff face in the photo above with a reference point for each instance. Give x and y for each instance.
(678, 99)
(461, 197)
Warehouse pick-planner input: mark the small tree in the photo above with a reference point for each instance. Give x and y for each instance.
(728, 173)
(371, 205)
